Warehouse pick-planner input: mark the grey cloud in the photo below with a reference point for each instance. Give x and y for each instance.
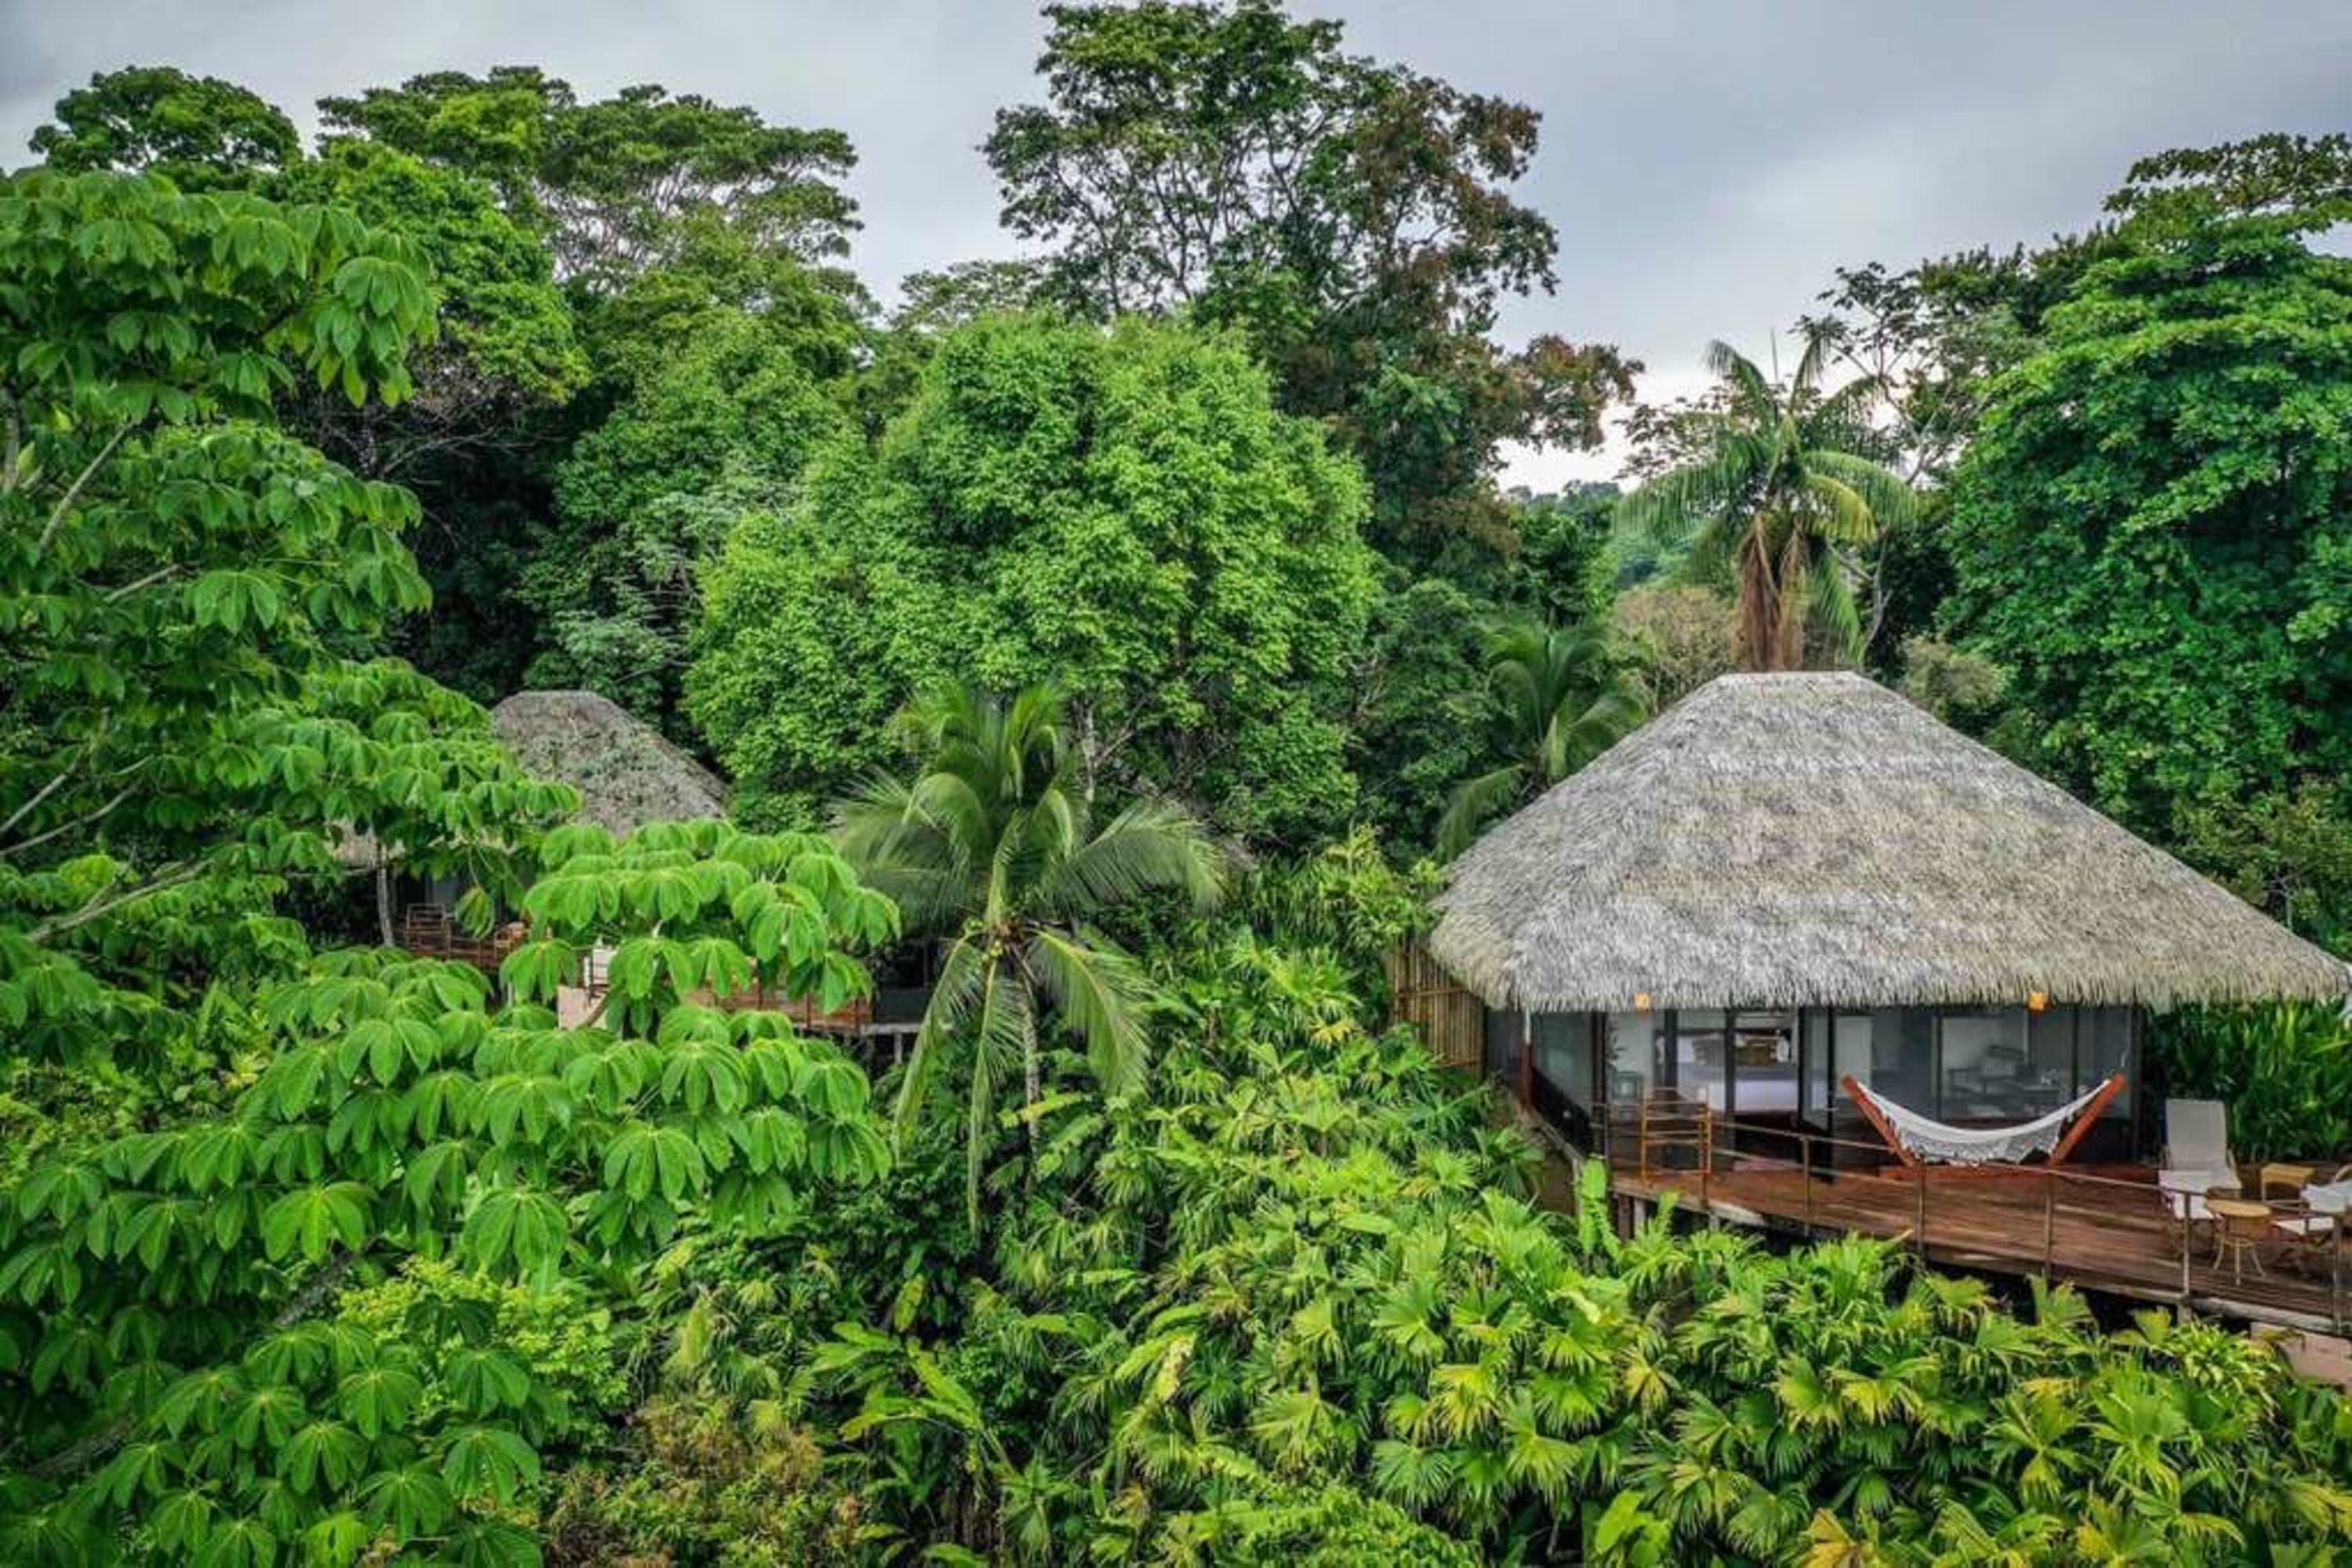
(1707, 163)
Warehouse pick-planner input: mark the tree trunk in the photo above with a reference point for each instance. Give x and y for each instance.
(384, 902)
(1755, 637)
(1033, 1085)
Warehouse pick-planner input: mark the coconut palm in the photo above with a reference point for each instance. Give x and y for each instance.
(995, 844)
(1561, 701)
(1774, 500)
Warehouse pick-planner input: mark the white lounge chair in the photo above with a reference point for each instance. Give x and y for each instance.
(2196, 1156)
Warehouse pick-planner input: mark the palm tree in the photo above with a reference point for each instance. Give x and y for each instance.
(1772, 498)
(994, 843)
(1560, 702)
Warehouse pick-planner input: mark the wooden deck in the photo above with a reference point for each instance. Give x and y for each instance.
(2107, 1230)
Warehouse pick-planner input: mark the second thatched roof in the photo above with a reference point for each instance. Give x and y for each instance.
(627, 771)
(1811, 840)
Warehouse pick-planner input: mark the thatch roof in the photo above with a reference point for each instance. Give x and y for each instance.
(1789, 840)
(627, 772)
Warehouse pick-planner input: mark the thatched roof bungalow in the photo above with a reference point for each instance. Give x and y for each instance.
(628, 772)
(1788, 879)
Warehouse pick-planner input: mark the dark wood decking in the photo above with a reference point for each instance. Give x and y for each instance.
(2107, 1229)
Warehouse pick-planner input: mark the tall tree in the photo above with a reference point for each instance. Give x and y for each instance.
(1765, 497)
(995, 844)
(474, 439)
(1353, 217)
(644, 499)
(1558, 700)
(2150, 531)
(179, 720)
(1123, 512)
(202, 132)
(610, 182)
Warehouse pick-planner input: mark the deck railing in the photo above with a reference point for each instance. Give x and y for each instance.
(2103, 1231)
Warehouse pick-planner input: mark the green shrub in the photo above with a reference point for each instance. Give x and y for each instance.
(2286, 1072)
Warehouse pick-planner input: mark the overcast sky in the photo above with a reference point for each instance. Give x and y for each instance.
(1706, 164)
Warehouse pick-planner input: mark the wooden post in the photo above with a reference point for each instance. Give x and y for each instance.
(2337, 1271)
(1878, 1120)
(1706, 1163)
(2114, 1085)
(1920, 1173)
(2049, 1219)
(1527, 1059)
(1805, 1172)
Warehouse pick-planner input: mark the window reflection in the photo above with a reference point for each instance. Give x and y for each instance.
(1632, 1056)
(1701, 1054)
(1764, 1060)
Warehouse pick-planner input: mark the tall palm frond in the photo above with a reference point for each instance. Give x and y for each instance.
(1474, 803)
(1560, 701)
(1100, 993)
(994, 844)
(1150, 846)
(1774, 500)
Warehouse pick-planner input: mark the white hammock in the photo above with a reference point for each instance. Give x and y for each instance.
(1932, 1140)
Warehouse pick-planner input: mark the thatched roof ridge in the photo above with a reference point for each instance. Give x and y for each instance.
(1814, 839)
(628, 772)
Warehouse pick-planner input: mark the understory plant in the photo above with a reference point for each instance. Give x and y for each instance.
(2285, 1071)
(1296, 1277)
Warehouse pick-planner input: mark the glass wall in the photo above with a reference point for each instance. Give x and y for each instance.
(1901, 1054)
(1764, 1064)
(1504, 1029)
(1564, 1054)
(2049, 1046)
(1817, 1061)
(2106, 1048)
(1985, 1065)
(1985, 1076)
(1635, 1058)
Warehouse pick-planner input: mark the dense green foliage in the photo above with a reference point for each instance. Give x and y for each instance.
(1287, 1295)
(1072, 595)
(995, 844)
(166, 1290)
(2286, 1072)
(1123, 514)
(2149, 529)
(1352, 218)
(184, 727)
(1559, 701)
